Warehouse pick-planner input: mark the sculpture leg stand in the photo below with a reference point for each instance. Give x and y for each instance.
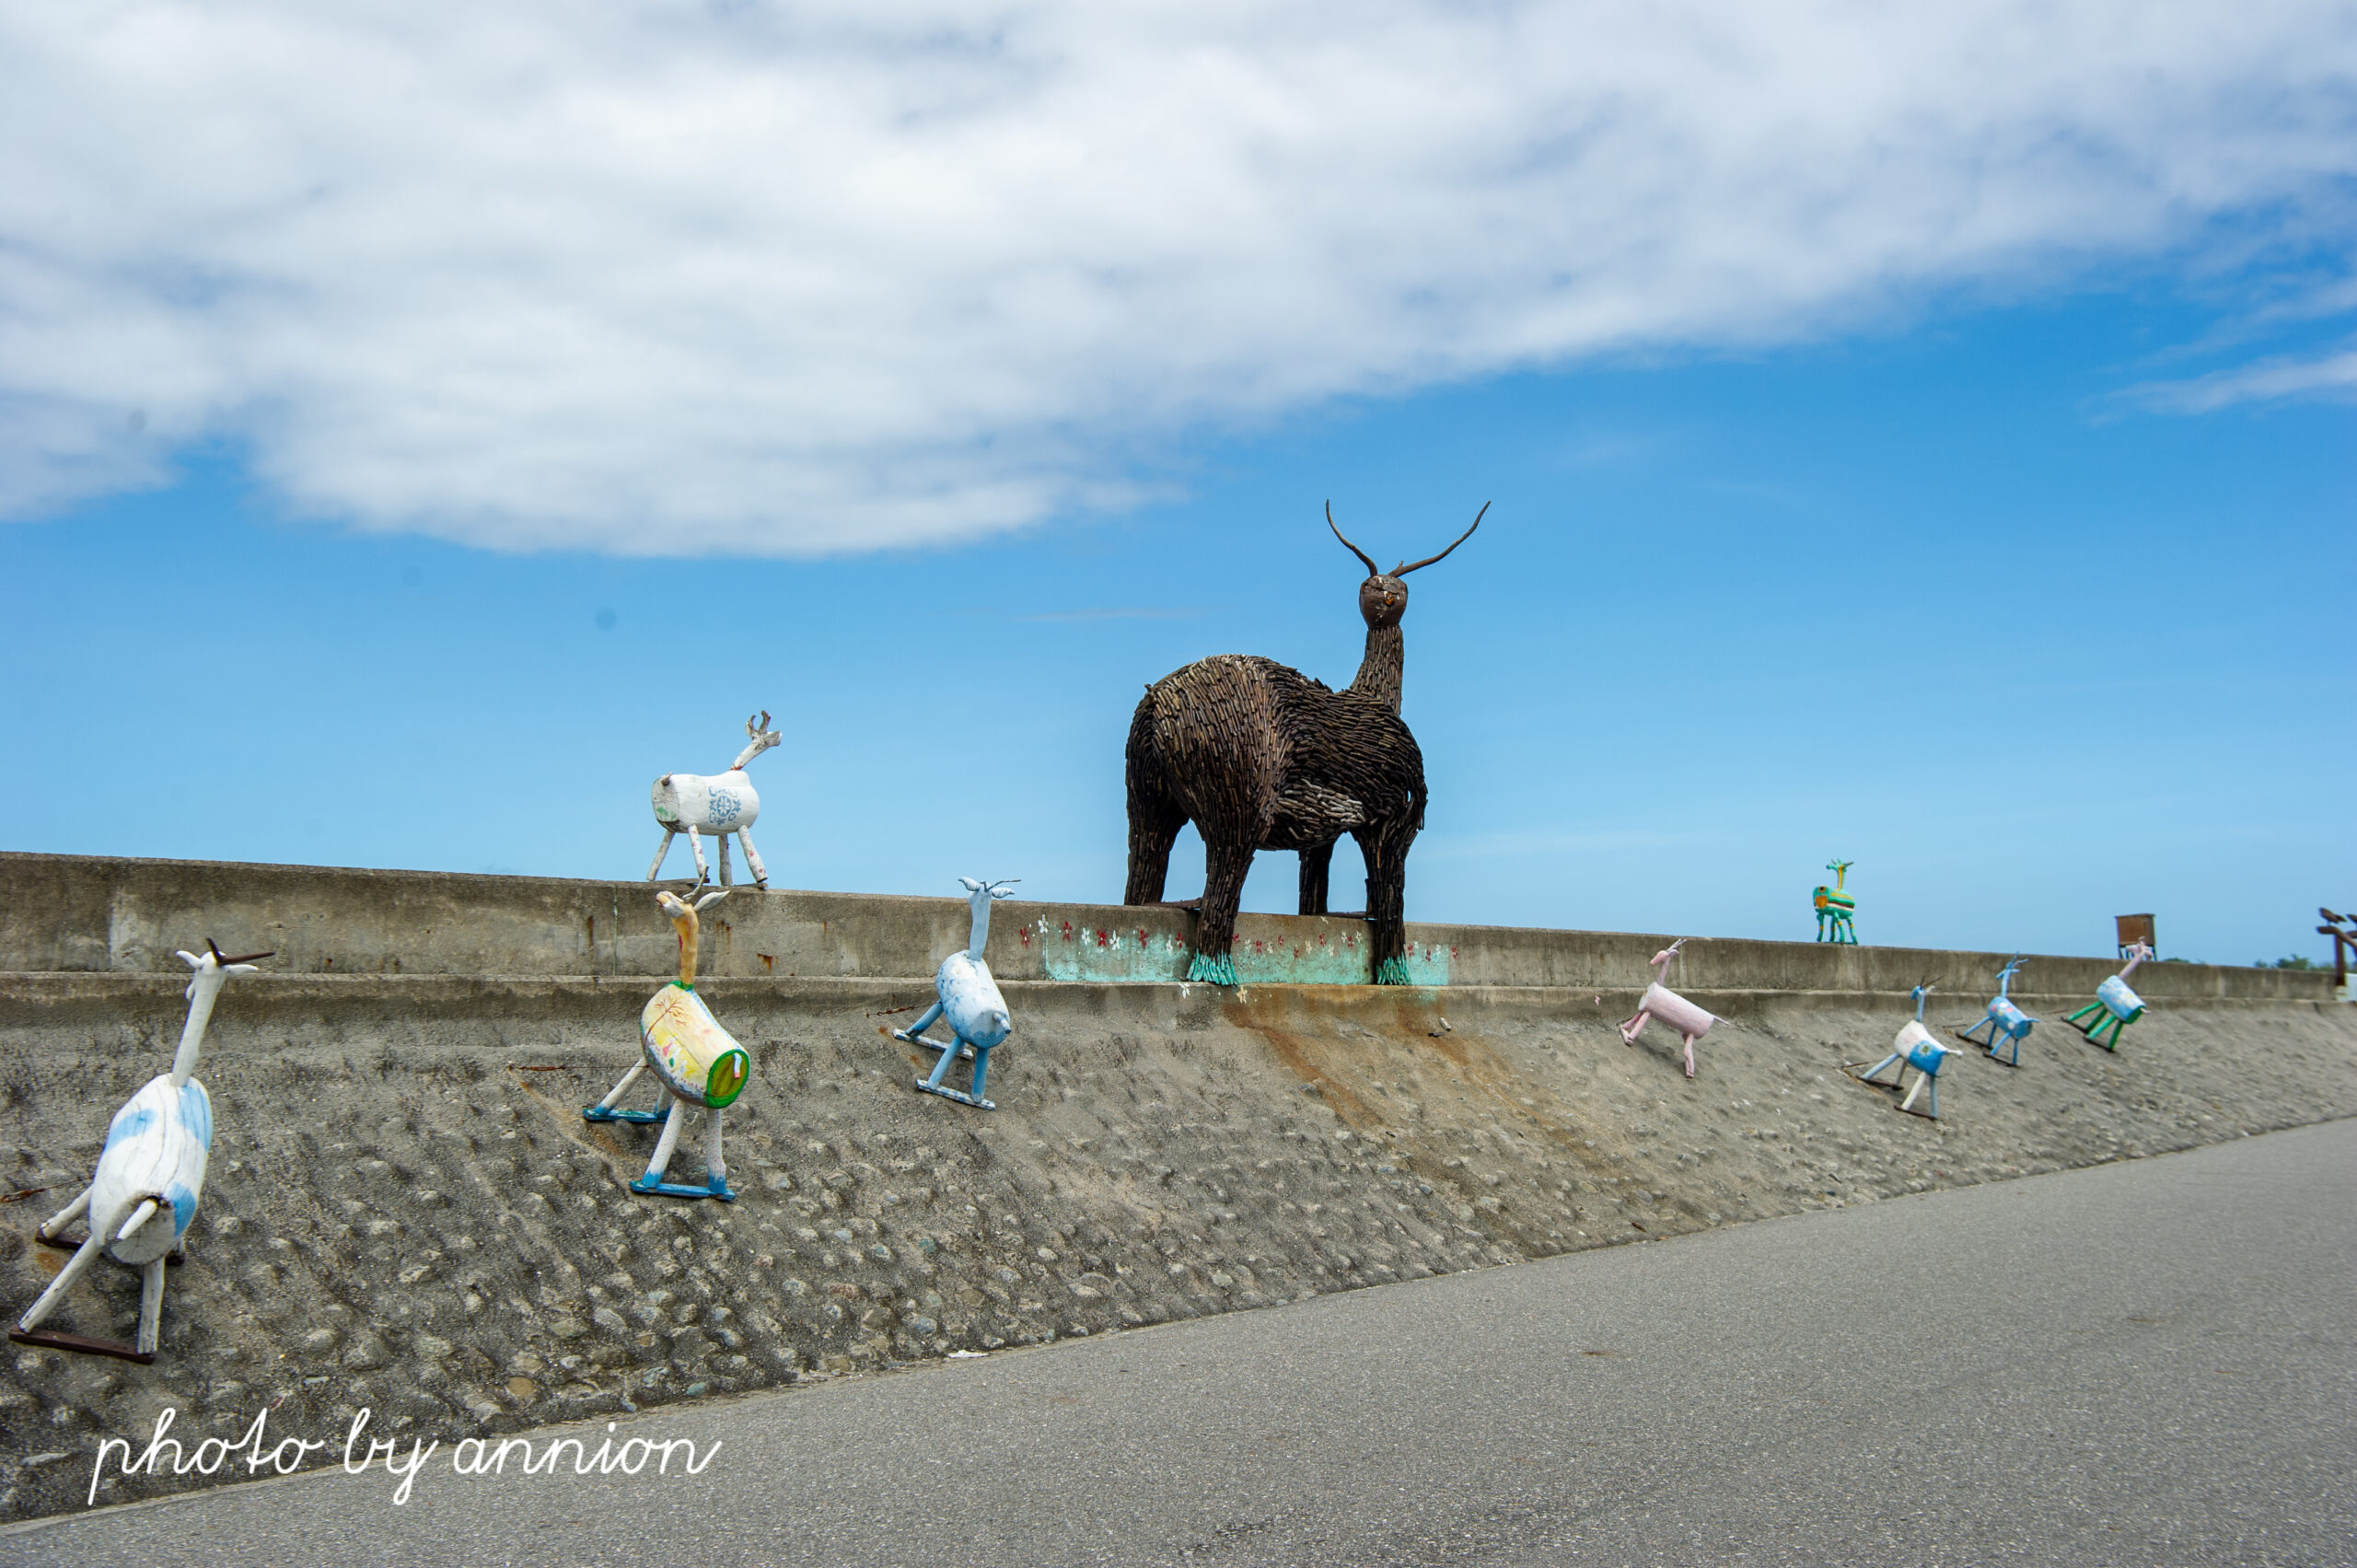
(2103, 1020)
(972, 1095)
(1634, 1027)
(720, 847)
(604, 1110)
(754, 859)
(661, 850)
(1690, 1056)
(695, 844)
(1922, 1078)
(28, 1331)
(1867, 1078)
(716, 1185)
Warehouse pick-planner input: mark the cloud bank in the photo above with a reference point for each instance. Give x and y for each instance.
(744, 277)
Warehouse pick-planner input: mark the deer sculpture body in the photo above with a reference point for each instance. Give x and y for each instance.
(1914, 1047)
(1259, 756)
(2115, 1006)
(1836, 910)
(699, 1065)
(150, 1176)
(966, 994)
(2007, 1024)
(1660, 1002)
(718, 803)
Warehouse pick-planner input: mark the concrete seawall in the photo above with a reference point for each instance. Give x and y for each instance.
(406, 1211)
(67, 912)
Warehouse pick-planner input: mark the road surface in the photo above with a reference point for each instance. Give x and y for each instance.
(2150, 1362)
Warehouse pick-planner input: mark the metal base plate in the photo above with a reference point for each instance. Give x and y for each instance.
(958, 1095)
(80, 1346)
(591, 1113)
(679, 1190)
(964, 1052)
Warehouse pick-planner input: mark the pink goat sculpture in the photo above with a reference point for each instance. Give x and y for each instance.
(1661, 1002)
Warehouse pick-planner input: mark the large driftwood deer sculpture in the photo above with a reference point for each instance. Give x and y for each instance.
(1258, 756)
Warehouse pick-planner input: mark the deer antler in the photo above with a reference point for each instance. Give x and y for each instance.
(753, 728)
(1403, 569)
(1372, 569)
(225, 959)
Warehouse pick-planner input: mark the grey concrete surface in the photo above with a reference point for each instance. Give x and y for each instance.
(96, 914)
(2153, 1362)
(406, 1212)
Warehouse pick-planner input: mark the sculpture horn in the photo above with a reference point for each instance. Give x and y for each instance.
(1372, 569)
(1402, 570)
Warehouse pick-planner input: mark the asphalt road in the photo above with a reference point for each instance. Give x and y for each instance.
(2152, 1361)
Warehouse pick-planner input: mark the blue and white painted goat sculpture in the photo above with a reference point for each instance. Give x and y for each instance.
(2007, 1024)
(1914, 1047)
(150, 1174)
(968, 997)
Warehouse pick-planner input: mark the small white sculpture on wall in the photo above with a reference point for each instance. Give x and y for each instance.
(1662, 1002)
(968, 997)
(699, 1065)
(150, 1174)
(720, 804)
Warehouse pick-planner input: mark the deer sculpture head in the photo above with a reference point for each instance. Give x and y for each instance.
(1383, 597)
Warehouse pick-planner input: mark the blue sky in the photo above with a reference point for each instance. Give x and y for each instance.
(2000, 542)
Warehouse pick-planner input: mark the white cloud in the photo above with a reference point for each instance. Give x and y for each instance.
(2330, 376)
(745, 277)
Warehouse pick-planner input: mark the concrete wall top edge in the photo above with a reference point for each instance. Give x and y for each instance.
(83, 914)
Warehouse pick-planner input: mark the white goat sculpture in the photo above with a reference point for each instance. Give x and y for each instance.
(150, 1174)
(720, 804)
(1662, 1002)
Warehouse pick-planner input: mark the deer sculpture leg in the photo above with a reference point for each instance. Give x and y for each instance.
(1385, 851)
(661, 850)
(661, 1161)
(715, 1163)
(151, 1306)
(720, 849)
(604, 1110)
(1154, 828)
(76, 1267)
(1226, 865)
(1635, 1027)
(696, 844)
(1314, 865)
(53, 1227)
(1690, 1056)
(753, 860)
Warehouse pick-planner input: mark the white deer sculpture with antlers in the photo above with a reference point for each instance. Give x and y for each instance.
(720, 804)
(150, 1174)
